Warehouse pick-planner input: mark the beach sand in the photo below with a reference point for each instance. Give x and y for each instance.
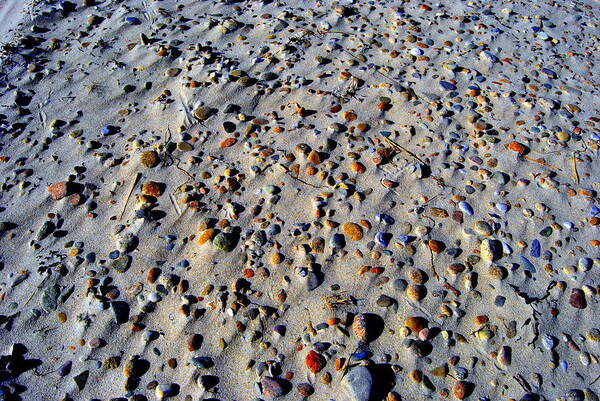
(350, 201)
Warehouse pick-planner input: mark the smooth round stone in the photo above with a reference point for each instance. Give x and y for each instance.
(273, 387)
(584, 264)
(501, 178)
(166, 390)
(225, 242)
(121, 264)
(184, 147)
(399, 284)
(358, 383)
(490, 250)
(483, 228)
(337, 241)
(405, 228)
(502, 207)
(465, 207)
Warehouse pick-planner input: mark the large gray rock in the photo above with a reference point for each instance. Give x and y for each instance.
(358, 383)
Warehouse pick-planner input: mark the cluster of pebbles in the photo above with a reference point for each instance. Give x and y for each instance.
(332, 200)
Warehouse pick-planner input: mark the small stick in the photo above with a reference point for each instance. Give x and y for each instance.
(137, 178)
(540, 161)
(575, 173)
(402, 148)
(175, 204)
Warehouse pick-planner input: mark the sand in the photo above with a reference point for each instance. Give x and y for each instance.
(460, 138)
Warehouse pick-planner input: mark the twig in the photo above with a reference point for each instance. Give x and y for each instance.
(575, 173)
(540, 161)
(402, 149)
(175, 204)
(137, 178)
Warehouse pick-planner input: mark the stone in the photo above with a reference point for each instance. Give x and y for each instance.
(315, 361)
(166, 390)
(352, 230)
(315, 157)
(305, 390)
(225, 242)
(577, 299)
(58, 190)
(490, 250)
(202, 113)
(358, 383)
(416, 323)
(149, 159)
(462, 389)
(152, 188)
(121, 264)
(483, 228)
(274, 387)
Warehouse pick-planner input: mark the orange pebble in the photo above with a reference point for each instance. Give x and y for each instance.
(248, 273)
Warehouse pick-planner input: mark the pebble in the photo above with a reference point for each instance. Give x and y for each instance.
(577, 299)
(461, 389)
(315, 361)
(58, 190)
(358, 383)
(273, 387)
(353, 231)
(225, 242)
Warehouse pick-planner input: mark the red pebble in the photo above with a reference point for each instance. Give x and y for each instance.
(315, 361)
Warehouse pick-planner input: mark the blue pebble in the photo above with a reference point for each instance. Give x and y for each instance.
(109, 130)
(171, 237)
(549, 72)
(503, 207)
(595, 137)
(114, 254)
(141, 213)
(183, 263)
(170, 246)
(527, 265)
(466, 207)
(458, 107)
(535, 28)
(385, 219)
(383, 239)
(274, 229)
(535, 250)
(338, 241)
(547, 255)
(568, 225)
(90, 257)
(594, 210)
(403, 238)
(133, 20)
(447, 86)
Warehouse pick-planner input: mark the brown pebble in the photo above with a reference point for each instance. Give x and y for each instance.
(152, 275)
(416, 292)
(436, 246)
(462, 389)
(193, 342)
(151, 188)
(149, 159)
(416, 323)
(314, 157)
(577, 299)
(352, 230)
